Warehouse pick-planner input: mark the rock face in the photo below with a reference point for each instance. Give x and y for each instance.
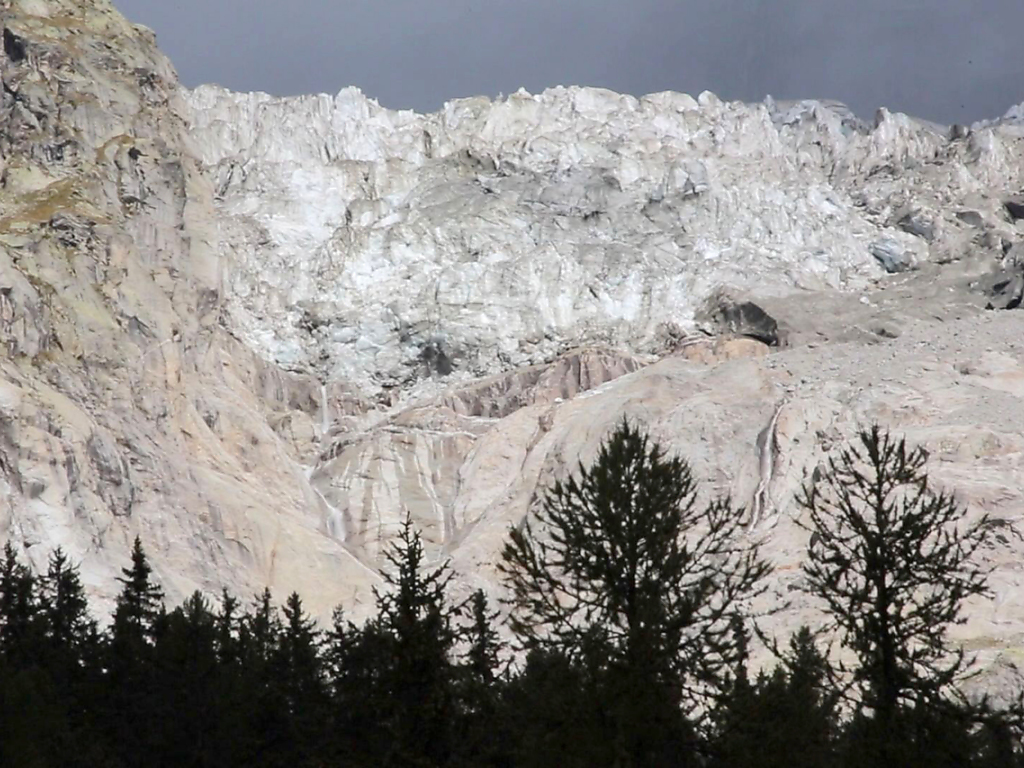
(258, 332)
(126, 404)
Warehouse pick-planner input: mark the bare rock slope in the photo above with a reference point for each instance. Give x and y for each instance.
(258, 331)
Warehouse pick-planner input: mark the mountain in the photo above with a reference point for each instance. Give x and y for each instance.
(257, 331)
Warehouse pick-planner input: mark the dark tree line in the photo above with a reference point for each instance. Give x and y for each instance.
(630, 616)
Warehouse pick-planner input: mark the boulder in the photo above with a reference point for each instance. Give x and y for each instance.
(891, 255)
(725, 315)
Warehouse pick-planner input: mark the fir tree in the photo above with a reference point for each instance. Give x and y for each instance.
(555, 712)
(235, 740)
(264, 709)
(227, 620)
(260, 632)
(29, 714)
(484, 739)
(132, 707)
(140, 603)
(65, 608)
(397, 681)
(357, 660)
(71, 655)
(300, 675)
(19, 606)
(786, 719)
(892, 562)
(186, 682)
(625, 559)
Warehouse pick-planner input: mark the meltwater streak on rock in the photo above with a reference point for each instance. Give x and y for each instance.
(485, 291)
(324, 411)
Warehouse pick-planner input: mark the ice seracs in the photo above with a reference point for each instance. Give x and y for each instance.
(514, 229)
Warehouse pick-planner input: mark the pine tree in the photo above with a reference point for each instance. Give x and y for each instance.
(228, 650)
(892, 561)
(358, 660)
(416, 618)
(624, 558)
(70, 653)
(264, 709)
(29, 713)
(786, 719)
(185, 683)
(233, 744)
(397, 681)
(260, 632)
(19, 606)
(65, 608)
(132, 706)
(140, 603)
(300, 675)
(481, 660)
(739, 731)
(555, 712)
(483, 738)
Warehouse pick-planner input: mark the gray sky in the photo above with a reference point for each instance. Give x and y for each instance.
(944, 60)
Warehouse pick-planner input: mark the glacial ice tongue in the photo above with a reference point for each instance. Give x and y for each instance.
(505, 232)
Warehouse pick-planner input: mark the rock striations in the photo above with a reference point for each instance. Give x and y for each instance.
(258, 331)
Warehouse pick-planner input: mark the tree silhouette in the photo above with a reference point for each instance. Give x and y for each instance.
(132, 716)
(624, 558)
(484, 738)
(785, 719)
(892, 561)
(264, 709)
(19, 606)
(187, 686)
(418, 624)
(140, 602)
(70, 652)
(65, 608)
(300, 676)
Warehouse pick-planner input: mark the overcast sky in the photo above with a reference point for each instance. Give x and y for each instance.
(944, 60)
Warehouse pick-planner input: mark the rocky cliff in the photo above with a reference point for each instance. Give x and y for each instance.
(258, 331)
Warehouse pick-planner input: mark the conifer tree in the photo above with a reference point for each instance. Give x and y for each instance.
(140, 603)
(418, 621)
(484, 739)
(484, 645)
(400, 664)
(624, 557)
(356, 659)
(235, 739)
(892, 561)
(260, 632)
(264, 710)
(226, 622)
(132, 707)
(185, 681)
(555, 711)
(300, 675)
(65, 608)
(19, 605)
(70, 653)
(28, 711)
(786, 719)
